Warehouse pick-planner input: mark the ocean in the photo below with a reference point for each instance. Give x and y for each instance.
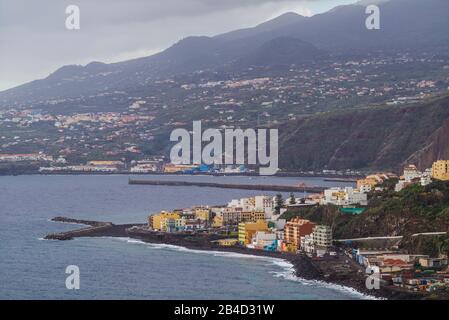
(120, 268)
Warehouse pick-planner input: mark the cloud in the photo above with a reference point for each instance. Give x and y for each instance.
(34, 41)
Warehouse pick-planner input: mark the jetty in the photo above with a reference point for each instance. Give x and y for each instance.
(260, 187)
(93, 227)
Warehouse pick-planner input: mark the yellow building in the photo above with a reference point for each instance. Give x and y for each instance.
(157, 221)
(227, 242)
(174, 168)
(367, 182)
(218, 221)
(202, 214)
(248, 229)
(252, 216)
(440, 170)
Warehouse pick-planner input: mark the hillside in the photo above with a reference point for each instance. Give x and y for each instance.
(413, 210)
(384, 137)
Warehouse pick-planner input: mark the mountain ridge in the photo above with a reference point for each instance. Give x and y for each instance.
(338, 31)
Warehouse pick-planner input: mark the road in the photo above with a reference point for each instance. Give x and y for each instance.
(391, 237)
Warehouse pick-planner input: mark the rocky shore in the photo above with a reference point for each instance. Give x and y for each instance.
(336, 270)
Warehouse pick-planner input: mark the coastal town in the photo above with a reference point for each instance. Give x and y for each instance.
(277, 226)
(258, 223)
(132, 126)
(41, 163)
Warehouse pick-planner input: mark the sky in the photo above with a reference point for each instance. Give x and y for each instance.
(34, 40)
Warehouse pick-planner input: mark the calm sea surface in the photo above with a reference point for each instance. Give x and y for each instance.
(112, 268)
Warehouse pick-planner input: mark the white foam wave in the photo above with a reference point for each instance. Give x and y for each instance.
(287, 273)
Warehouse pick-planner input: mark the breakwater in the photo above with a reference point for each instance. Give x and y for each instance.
(279, 188)
(93, 227)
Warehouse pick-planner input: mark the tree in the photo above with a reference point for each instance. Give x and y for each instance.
(292, 198)
(278, 203)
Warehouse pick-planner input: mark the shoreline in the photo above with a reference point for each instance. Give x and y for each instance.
(304, 267)
(326, 177)
(235, 254)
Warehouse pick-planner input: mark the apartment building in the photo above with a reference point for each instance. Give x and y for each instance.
(295, 229)
(440, 170)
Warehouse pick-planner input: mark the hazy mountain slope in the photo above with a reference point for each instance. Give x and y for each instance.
(283, 21)
(281, 51)
(411, 24)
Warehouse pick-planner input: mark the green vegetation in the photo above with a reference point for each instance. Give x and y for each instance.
(278, 203)
(433, 246)
(415, 209)
(292, 199)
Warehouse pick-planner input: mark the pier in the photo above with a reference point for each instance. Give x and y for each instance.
(278, 188)
(93, 227)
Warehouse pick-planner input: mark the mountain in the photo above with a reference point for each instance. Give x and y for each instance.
(378, 138)
(283, 21)
(282, 51)
(405, 24)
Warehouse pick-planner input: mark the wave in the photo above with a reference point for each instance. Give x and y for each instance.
(66, 222)
(288, 272)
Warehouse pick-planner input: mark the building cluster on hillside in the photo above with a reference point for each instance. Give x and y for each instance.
(152, 165)
(203, 168)
(122, 123)
(344, 196)
(372, 182)
(90, 166)
(412, 176)
(410, 271)
(26, 157)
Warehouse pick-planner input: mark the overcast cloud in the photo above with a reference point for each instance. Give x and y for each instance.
(34, 41)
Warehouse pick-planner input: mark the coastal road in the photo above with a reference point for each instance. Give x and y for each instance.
(391, 237)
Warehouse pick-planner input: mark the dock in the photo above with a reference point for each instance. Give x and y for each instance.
(278, 188)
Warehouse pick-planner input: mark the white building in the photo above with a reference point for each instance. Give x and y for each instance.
(307, 245)
(411, 173)
(426, 177)
(344, 196)
(413, 176)
(263, 239)
(322, 236)
(257, 203)
(265, 204)
(318, 242)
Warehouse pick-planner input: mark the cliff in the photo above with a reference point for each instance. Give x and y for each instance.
(377, 138)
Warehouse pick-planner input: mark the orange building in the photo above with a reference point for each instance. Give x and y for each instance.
(297, 228)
